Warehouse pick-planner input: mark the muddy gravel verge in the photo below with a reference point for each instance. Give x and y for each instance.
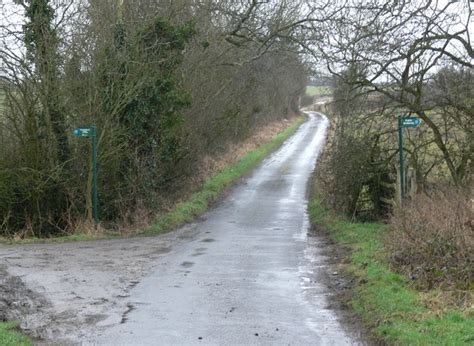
(335, 276)
(62, 292)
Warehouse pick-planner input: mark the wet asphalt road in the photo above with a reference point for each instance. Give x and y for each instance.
(250, 275)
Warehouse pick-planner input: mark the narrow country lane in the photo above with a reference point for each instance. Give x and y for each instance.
(245, 274)
(249, 276)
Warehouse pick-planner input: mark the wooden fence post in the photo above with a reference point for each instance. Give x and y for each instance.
(412, 180)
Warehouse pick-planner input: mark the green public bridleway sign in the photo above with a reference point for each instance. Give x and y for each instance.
(84, 131)
(410, 122)
(90, 131)
(404, 122)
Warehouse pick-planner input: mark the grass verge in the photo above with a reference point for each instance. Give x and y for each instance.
(197, 204)
(9, 336)
(397, 313)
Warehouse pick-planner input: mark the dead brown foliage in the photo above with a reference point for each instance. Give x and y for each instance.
(433, 240)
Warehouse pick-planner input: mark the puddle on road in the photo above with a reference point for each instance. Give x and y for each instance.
(94, 319)
(187, 264)
(199, 252)
(161, 250)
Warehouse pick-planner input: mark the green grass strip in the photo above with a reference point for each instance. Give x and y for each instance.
(318, 90)
(10, 336)
(384, 299)
(199, 202)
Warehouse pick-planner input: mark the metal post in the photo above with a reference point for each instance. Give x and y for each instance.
(95, 199)
(400, 151)
(398, 191)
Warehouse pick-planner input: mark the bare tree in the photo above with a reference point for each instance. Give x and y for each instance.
(402, 45)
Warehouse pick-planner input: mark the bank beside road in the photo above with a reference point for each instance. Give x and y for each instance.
(193, 206)
(395, 312)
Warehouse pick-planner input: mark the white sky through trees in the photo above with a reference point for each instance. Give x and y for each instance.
(458, 13)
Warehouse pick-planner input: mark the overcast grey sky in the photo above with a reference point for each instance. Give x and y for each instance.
(11, 20)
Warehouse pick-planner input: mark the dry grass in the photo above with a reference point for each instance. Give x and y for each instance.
(439, 302)
(211, 165)
(433, 240)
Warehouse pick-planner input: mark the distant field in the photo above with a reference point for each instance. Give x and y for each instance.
(318, 90)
